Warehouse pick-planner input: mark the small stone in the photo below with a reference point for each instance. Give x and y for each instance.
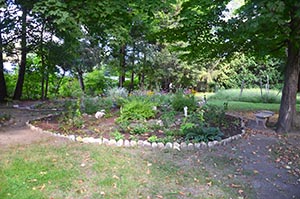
(160, 145)
(197, 145)
(78, 139)
(176, 146)
(98, 140)
(72, 137)
(183, 145)
(169, 145)
(140, 143)
(216, 143)
(203, 145)
(146, 144)
(105, 141)
(154, 145)
(126, 143)
(112, 142)
(86, 140)
(133, 143)
(190, 146)
(210, 144)
(120, 143)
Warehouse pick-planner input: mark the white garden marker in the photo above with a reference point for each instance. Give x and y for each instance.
(185, 110)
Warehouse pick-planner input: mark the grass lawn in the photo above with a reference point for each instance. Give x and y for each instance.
(250, 100)
(77, 170)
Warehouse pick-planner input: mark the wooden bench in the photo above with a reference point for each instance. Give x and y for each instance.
(263, 117)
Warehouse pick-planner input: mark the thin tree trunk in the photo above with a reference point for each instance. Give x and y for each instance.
(46, 84)
(3, 90)
(122, 65)
(299, 83)
(22, 68)
(80, 79)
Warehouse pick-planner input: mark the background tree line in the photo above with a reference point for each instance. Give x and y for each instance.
(191, 43)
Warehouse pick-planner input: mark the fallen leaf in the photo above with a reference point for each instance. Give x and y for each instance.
(235, 186)
(159, 196)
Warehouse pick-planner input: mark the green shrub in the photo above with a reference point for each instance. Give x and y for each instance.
(214, 114)
(197, 133)
(118, 136)
(91, 105)
(117, 95)
(153, 138)
(139, 129)
(137, 109)
(180, 100)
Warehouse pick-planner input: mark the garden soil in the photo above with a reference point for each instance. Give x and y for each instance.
(266, 161)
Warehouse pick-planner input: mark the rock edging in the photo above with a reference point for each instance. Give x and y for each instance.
(139, 143)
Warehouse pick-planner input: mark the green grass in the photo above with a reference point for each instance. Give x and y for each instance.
(251, 100)
(248, 95)
(75, 170)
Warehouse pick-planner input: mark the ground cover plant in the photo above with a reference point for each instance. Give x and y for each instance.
(74, 170)
(145, 115)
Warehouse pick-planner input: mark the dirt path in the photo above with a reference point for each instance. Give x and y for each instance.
(15, 131)
(268, 162)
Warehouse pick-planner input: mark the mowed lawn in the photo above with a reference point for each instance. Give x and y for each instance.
(74, 170)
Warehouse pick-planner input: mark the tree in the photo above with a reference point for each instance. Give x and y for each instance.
(273, 28)
(260, 27)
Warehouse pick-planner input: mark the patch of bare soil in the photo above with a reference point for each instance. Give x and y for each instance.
(14, 132)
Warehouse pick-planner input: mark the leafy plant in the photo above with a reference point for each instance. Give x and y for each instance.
(91, 105)
(117, 95)
(153, 138)
(205, 134)
(139, 129)
(181, 100)
(137, 109)
(214, 114)
(118, 136)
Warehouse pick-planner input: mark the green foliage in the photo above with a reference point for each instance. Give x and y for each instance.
(91, 105)
(202, 134)
(96, 83)
(139, 129)
(137, 109)
(248, 95)
(153, 138)
(181, 100)
(214, 114)
(118, 136)
(118, 95)
(70, 88)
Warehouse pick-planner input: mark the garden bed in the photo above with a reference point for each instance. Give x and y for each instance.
(107, 127)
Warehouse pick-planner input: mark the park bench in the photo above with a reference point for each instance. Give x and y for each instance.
(263, 117)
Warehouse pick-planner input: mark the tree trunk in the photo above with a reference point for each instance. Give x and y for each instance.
(132, 81)
(122, 66)
(22, 68)
(3, 90)
(80, 79)
(287, 111)
(299, 83)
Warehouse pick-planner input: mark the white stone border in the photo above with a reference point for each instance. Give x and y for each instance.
(139, 143)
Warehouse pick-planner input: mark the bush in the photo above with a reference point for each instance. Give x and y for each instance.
(137, 109)
(117, 95)
(91, 105)
(180, 100)
(197, 133)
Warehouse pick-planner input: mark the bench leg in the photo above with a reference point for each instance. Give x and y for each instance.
(263, 121)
